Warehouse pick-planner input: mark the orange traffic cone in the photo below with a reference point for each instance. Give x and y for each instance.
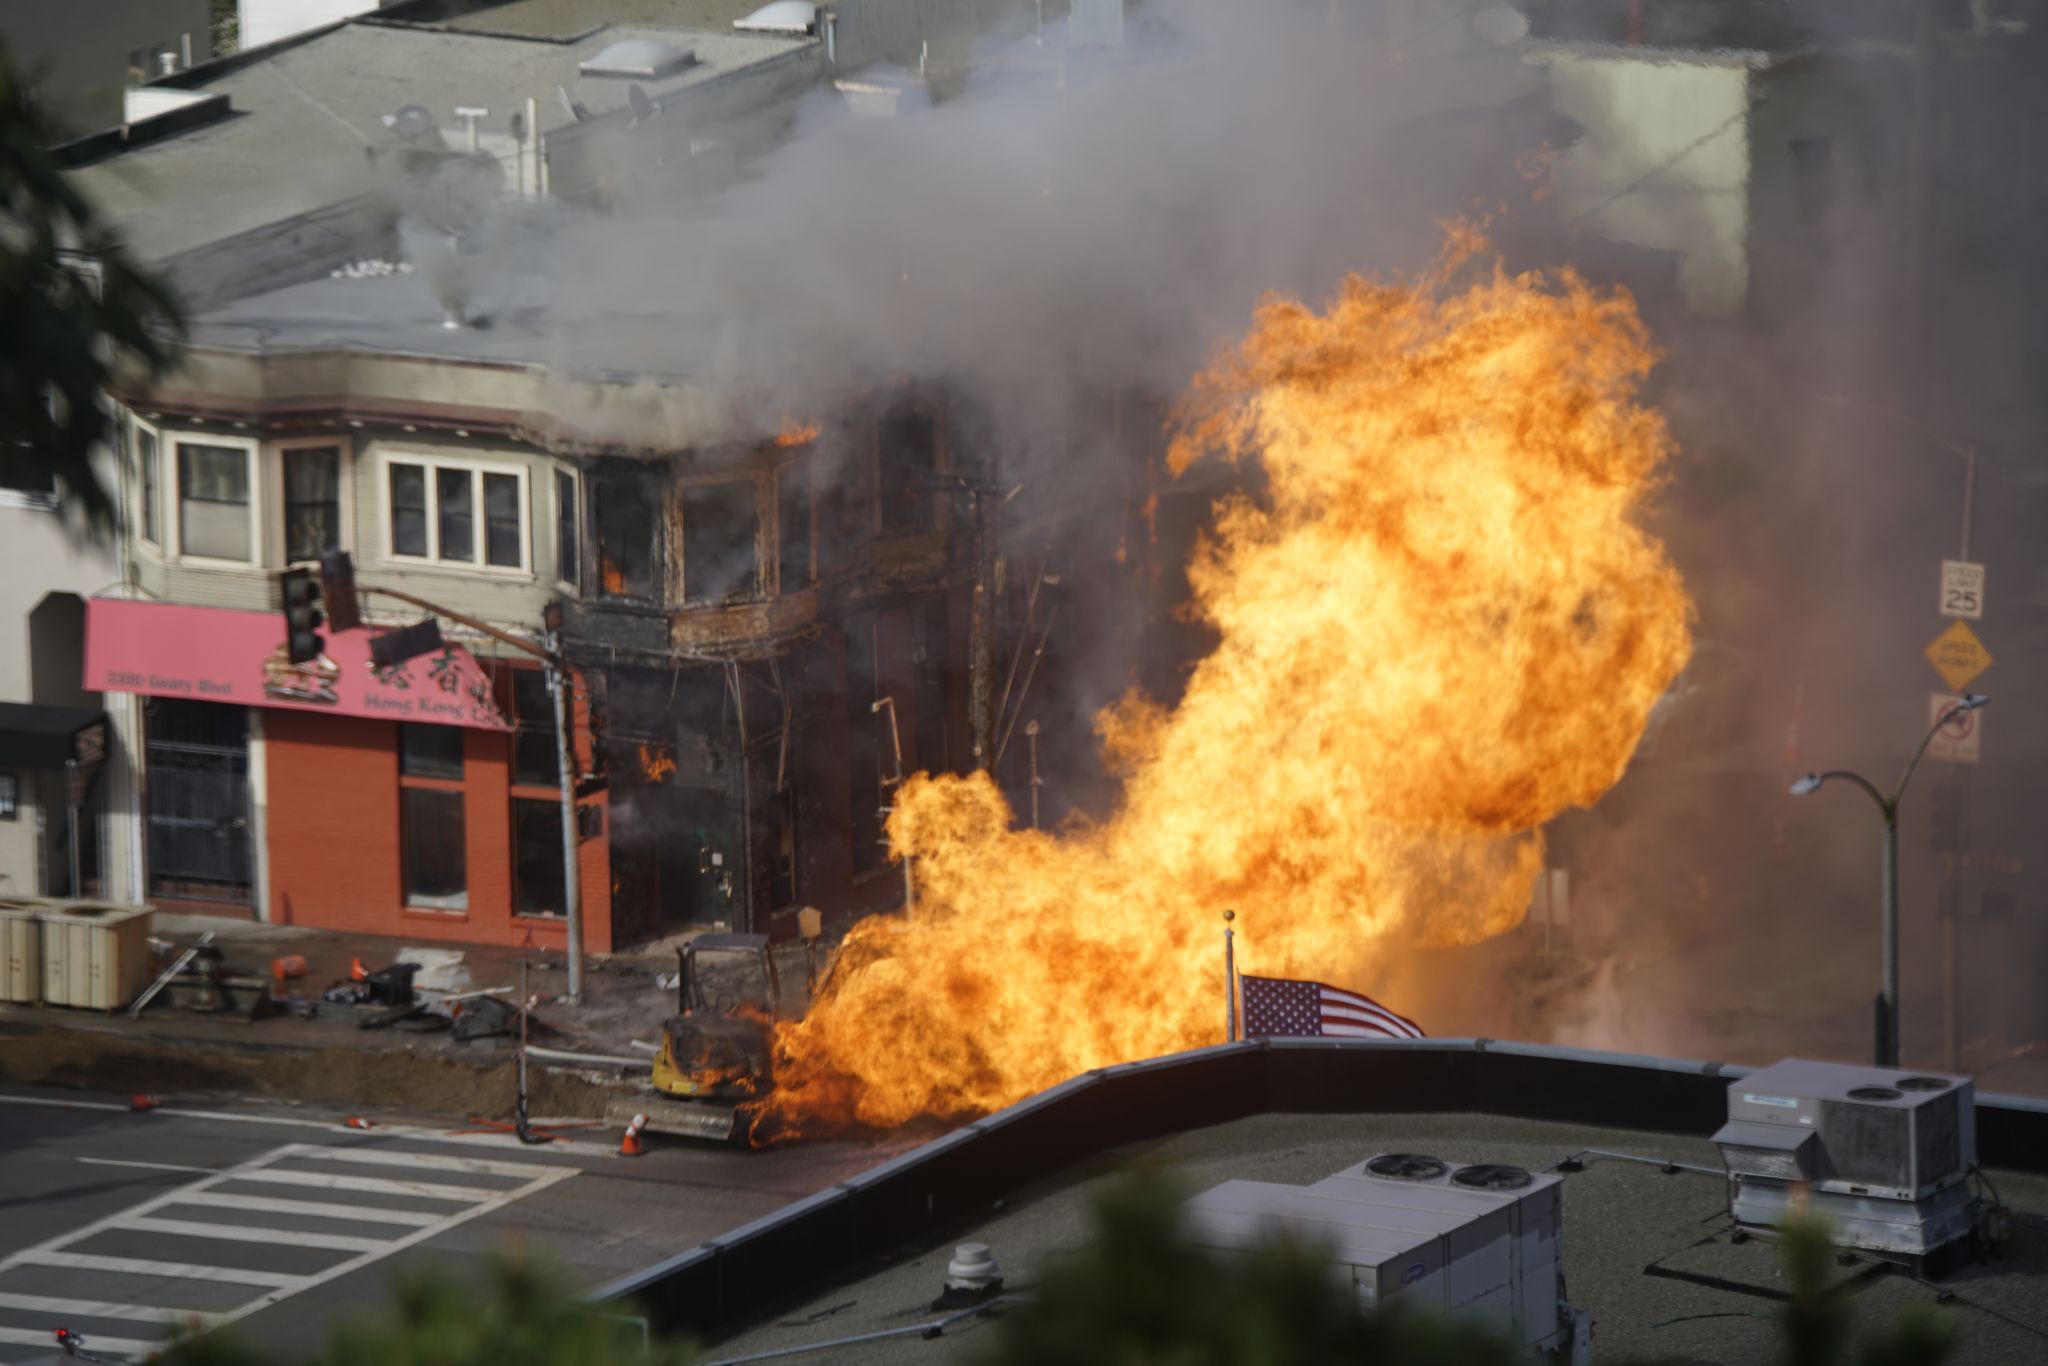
(357, 1122)
(142, 1102)
(631, 1145)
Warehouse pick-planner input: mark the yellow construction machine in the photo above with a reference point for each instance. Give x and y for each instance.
(716, 1051)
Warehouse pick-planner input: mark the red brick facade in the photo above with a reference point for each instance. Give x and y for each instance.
(335, 838)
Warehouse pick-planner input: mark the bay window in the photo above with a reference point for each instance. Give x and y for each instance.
(213, 502)
(456, 513)
(312, 501)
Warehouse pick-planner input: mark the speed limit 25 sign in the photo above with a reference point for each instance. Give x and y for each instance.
(1962, 589)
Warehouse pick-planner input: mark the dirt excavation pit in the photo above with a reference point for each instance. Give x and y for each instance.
(370, 1081)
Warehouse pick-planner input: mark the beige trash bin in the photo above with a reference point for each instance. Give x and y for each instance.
(21, 951)
(95, 953)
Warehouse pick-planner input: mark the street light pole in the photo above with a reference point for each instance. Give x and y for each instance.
(1887, 1027)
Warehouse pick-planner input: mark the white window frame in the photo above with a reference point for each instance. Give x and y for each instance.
(344, 487)
(174, 525)
(136, 429)
(389, 456)
(567, 580)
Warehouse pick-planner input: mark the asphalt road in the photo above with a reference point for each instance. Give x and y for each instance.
(121, 1225)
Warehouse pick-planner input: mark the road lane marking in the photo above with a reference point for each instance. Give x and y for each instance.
(388, 1157)
(318, 1209)
(37, 1337)
(143, 1266)
(102, 1309)
(246, 1233)
(368, 1185)
(151, 1166)
(264, 1287)
(415, 1132)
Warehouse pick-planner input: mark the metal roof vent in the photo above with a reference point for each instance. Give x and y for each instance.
(1924, 1083)
(1873, 1093)
(1491, 1176)
(781, 16)
(648, 59)
(972, 1277)
(1407, 1167)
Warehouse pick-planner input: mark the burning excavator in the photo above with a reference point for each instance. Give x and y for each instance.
(1441, 622)
(716, 1051)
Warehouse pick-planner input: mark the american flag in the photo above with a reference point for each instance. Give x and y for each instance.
(1282, 1007)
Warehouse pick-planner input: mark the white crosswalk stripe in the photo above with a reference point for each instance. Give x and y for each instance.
(166, 1240)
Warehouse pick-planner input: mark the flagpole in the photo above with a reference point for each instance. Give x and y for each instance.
(1229, 980)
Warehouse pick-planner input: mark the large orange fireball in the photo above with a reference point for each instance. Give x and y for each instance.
(1441, 625)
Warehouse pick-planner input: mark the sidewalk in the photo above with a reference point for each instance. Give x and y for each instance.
(330, 1057)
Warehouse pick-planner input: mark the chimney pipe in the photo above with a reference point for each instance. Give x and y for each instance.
(1635, 23)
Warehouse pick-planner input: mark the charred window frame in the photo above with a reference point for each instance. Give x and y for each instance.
(785, 882)
(626, 514)
(863, 746)
(566, 538)
(931, 650)
(793, 512)
(907, 462)
(721, 542)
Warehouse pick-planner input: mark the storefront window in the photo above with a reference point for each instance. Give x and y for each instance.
(535, 762)
(436, 857)
(537, 854)
(426, 751)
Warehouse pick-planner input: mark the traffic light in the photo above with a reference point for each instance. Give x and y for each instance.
(302, 616)
(338, 590)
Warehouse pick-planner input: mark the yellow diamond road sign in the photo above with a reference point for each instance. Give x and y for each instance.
(1958, 656)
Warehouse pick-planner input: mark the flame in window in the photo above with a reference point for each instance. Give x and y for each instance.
(613, 576)
(656, 763)
(796, 433)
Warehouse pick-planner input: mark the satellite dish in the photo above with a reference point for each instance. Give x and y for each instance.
(643, 108)
(569, 106)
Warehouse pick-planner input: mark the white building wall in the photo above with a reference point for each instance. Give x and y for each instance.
(40, 556)
(266, 21)
(1664, 162)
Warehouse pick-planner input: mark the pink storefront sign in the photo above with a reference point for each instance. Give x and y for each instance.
(212, 654)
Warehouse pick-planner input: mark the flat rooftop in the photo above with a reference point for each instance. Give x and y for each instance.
(1646, 1253)
(305, 114)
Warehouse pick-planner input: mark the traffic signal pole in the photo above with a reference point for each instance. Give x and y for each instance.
(557, 667)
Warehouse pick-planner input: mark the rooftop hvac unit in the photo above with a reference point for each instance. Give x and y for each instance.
(1480, 1242)
(1886, 1155)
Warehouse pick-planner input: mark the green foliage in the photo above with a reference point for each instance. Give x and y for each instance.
(527, 1316)
(1144, 1292)
(1819, 1319)
(64, 338)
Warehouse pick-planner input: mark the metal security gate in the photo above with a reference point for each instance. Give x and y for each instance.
(198, 801)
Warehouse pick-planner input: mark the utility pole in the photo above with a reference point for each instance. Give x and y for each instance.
(557, 671)
(981, 634)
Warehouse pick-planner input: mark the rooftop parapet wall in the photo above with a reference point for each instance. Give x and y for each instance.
(952, 1181)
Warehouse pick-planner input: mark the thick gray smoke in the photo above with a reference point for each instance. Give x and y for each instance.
(1098, 220)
